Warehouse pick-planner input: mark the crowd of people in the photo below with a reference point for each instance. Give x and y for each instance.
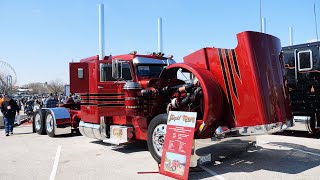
(11, 106)
(48, 101)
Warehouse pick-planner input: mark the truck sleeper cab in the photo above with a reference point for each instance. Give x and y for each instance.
(302, 71)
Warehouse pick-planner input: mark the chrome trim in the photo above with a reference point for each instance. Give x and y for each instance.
(60, 113)
(133, 107)
(49, 123)
(131, 85)
(103, 127)
(158, 136)
(264, 129)
(222, 130)
(101, 31)
(301, 118)
(94, 131)
(37, 119)
(311, 61)
(131, 98)
(144, 60)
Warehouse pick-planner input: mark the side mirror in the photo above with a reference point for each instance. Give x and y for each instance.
(115, 69)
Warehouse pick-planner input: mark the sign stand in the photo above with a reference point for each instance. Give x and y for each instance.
(176, 155)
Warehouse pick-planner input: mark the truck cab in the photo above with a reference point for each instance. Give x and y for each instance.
(110, 91)
(302, 70)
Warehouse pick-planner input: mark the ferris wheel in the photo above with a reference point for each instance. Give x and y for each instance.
(8, 76)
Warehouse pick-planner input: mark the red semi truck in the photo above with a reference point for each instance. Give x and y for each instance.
(128, 97)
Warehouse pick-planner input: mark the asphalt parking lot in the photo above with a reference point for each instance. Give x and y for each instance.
(26, 155)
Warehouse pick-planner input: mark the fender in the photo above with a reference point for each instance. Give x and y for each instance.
(62, 122)
(213, 102)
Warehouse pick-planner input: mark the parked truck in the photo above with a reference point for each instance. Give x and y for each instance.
(124, 98)
(302, 69)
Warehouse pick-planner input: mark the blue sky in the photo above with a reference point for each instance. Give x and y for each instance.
(39, 38)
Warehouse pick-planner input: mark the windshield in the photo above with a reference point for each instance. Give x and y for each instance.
(149, 70)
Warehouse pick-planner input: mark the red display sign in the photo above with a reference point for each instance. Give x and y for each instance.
(177, 148)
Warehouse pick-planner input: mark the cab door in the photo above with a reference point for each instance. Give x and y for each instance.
(79, 77)
(110, 96)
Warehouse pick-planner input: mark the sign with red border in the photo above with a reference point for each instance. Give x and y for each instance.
(175, 161)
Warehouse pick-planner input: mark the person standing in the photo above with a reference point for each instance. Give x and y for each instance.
(70, 100)
(9, 108)
(51, 102)
(1, 99)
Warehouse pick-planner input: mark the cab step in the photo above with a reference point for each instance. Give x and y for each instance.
(119, 134)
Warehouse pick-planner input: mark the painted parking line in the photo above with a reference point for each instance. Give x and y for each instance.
(214, 174)
(303, 151)
(55, 164)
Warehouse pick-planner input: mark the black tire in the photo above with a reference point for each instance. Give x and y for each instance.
(158, 120)
(311, 123)
(33, 126)
(49, 129)
(38, 118)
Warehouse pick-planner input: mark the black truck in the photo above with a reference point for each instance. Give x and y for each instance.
(302, 71)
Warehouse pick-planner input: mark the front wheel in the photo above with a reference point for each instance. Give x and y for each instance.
(156, 134)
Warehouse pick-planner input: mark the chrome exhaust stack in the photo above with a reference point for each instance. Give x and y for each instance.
(101, 32)
(160, 35)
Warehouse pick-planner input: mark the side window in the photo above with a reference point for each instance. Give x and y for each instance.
(106, 72)
(80, 73)
(126, 72)
(305, 60)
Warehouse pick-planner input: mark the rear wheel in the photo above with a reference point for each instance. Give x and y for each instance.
(311, 123)
(156, 134)
(50, 124)
(38, 122)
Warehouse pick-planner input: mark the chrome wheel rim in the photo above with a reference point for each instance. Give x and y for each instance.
(49, 123)
(37, 121)
(158, 136)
